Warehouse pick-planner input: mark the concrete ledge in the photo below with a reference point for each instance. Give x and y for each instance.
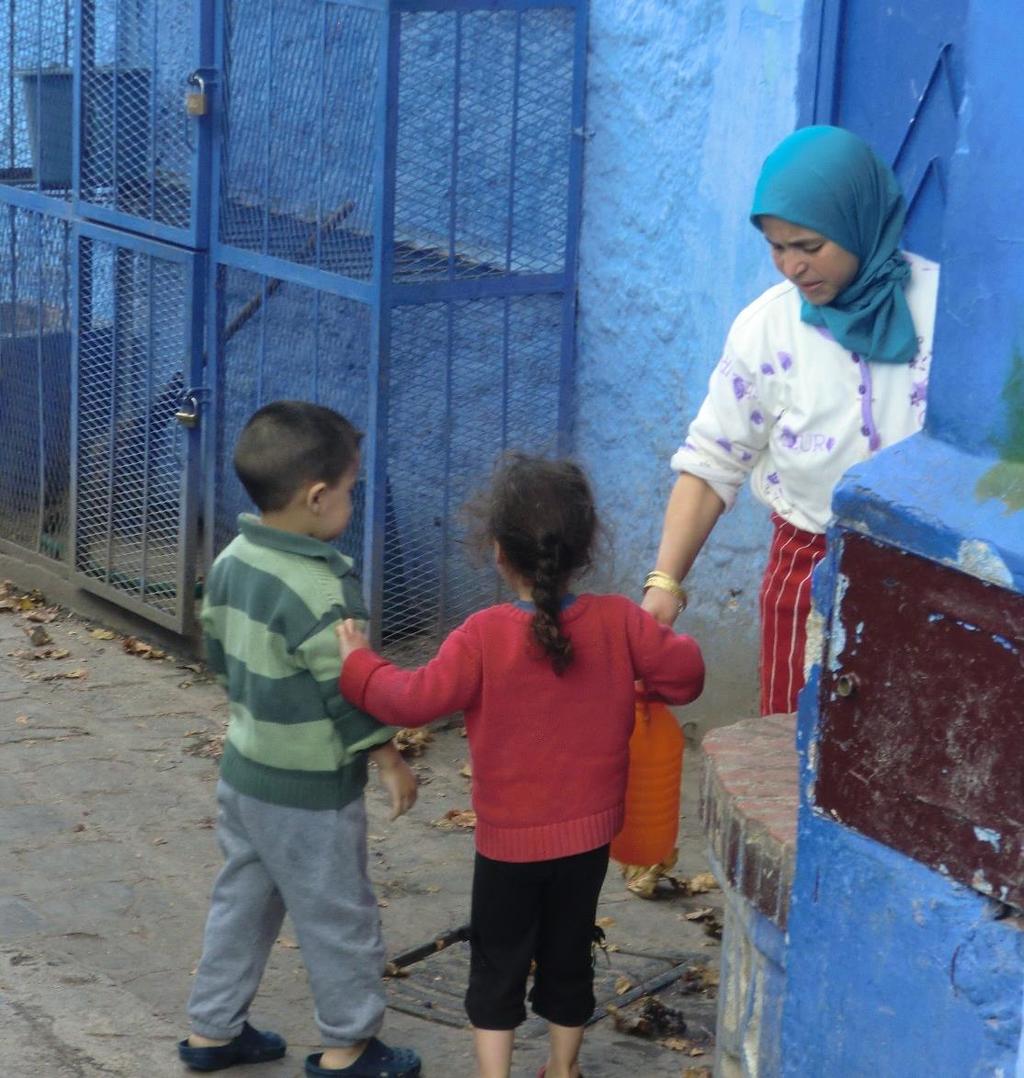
(749, 805)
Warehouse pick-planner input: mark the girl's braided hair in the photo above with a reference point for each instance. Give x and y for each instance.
(541, 513)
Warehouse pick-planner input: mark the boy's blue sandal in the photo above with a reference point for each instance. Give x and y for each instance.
(377, 1061)
(250, 1046)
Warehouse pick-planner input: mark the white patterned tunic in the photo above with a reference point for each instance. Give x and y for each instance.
(790, 407)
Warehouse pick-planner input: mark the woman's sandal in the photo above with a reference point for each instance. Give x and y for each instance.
(250, 1046)
(377, 1061)
(544, 1068)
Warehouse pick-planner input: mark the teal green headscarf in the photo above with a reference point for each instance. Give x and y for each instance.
(829, 180)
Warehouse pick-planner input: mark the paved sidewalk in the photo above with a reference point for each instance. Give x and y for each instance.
(107, 855)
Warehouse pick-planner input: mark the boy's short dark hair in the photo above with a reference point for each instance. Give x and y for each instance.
(287, 445)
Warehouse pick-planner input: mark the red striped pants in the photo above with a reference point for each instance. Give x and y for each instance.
(785, 604)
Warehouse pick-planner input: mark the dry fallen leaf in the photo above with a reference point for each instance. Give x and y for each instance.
(623, 984)
(649, 1017)
(22, 720)
(701, 883)
(391, 970)
(605, 922)
(681, 1044)
(134, 646)
(42, 615)
(69, 675)
(46, 653)
(698, 978)
(466, 771)
(206, 746)
(697, 1072)
(412, 742)
(159, 842)
(457, 819)
(286, 942)
(701, 914)
(102, 634)
(643, 880)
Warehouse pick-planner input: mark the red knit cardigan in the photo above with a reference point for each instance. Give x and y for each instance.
(549, 754)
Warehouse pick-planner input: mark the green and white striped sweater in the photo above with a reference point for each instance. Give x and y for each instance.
(272, 601)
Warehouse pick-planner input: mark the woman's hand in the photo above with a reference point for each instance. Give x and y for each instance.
(662, 605)
(350, 637)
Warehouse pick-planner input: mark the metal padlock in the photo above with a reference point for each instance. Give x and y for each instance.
(187, 413)
(196, 101)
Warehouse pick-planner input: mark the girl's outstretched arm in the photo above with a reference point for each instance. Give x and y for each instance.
(448, 683)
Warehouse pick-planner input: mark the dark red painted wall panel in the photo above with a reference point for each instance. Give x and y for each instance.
(926, 753)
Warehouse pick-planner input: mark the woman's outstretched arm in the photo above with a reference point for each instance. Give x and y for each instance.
(693, 510)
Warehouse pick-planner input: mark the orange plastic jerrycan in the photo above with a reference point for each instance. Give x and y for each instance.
(651, 823)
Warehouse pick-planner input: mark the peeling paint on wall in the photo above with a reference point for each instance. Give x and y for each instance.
(981, 560)
(837, 641)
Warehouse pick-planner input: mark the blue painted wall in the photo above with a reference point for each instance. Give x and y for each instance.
(684, 102)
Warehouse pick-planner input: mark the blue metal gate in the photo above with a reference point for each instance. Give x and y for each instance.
(369, 203)
(894, 74)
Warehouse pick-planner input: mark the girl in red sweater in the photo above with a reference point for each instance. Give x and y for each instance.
(547, 687)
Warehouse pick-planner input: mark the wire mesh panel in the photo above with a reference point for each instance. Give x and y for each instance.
(35, 379)
(283, 341)
(483, 144)
(131, 455)
(137, 145)
(36, 43)
(469, 380)
(300, 132)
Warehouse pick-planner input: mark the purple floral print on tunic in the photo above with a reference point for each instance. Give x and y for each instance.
(785, 360)
(868, 428)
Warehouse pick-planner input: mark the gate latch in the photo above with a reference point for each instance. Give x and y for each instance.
(196, 100)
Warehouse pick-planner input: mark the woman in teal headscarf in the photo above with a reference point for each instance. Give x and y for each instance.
(818, 373)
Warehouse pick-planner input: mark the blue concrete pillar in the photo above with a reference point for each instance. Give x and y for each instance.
(976, 399)
(905, 954)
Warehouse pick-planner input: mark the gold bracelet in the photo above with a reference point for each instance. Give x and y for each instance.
(658, 579)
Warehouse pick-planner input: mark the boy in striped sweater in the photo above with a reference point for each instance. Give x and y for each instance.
(292, 820)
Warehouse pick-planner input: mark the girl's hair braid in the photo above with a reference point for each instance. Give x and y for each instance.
(541, 513)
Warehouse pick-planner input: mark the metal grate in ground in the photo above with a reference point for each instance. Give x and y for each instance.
(434, 987)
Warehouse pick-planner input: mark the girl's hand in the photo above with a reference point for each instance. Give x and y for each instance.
(350, 637)
(663, 606)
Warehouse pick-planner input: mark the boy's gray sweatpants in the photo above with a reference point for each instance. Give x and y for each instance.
(312, 864)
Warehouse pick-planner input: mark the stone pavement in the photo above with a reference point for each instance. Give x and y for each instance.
(107, 854)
